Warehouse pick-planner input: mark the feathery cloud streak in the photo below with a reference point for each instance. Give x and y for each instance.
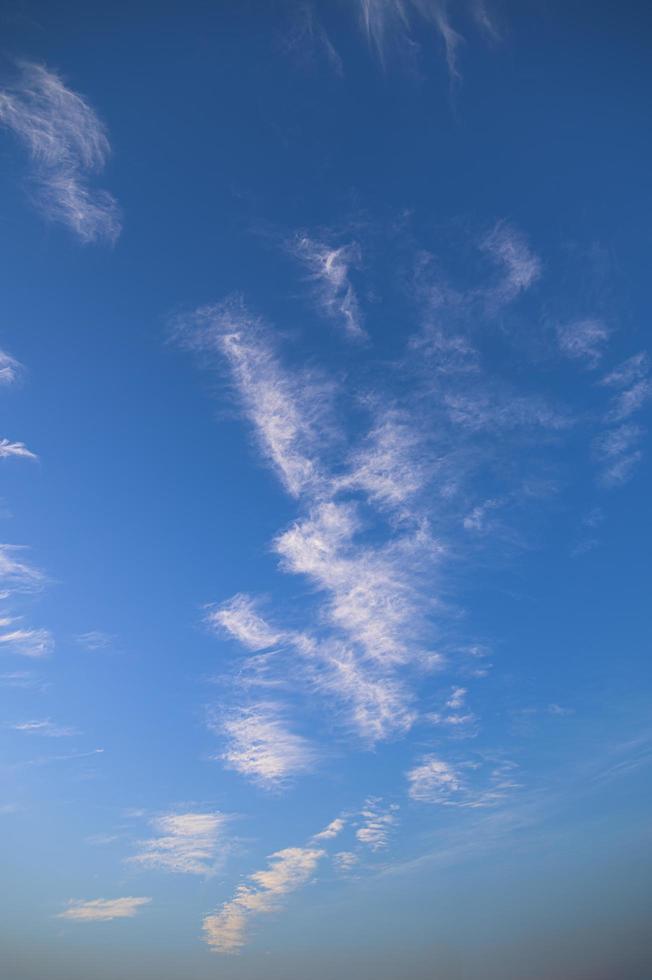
(103, 909)
(66, 143)
(226, 931)
(186, 843)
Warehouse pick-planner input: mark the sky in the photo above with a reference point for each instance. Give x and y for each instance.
(324, 568)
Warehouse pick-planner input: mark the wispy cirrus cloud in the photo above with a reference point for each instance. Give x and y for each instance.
(67, 144)
(15, 449)
(25, 641)
(261, 746)
(16, 574)
(185, 843)
(334, 829)
(95, 640)
(467, 784)
(10, 369)
(583, 340)
(45, 727)
(287, 412)
(509, 250)
(225, 931)
(618, 447)
(389, 24)
(103, 909)
(240, 618)
(328, 269)
(377, 824)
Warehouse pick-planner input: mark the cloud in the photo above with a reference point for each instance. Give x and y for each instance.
(633, 369)
(345, 861)
(371, 592)
(17, 575)
(437, 781)
(186, 843)
(103, 909)
(509, 249)
(27, 642)
(10, 369)
(18, 449)
(334, 828)
(389, 22)
(328, 269)
(457, 698)
(238, 617)
(261, 747)
(389, 466)
(617, 449)
(433, 781)
(377, 824)
(45, 727)
(94, 640)
(632, 382)
(225, 931)
(66, 143)
(287, 412)
(307, 40)
(378, 706)
(583, 340)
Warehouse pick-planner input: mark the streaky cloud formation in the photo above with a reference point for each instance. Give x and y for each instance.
(186, 843)
(508, 248)
(261, 747)
(45, 727)
(103, 909)
(225, 931)
(328, 269)
(66, 143)
(10, 369)
(287, 412)
(17, 449)
(377, 824)
(583, 340)
(26, 642)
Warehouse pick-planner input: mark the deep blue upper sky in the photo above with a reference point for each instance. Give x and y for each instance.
(325, 581)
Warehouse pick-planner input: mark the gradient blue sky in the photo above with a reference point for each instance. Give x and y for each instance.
(325, 553)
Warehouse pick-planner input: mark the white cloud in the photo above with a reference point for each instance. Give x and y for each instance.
(378, 705)
(17, 575)
(433, 781)
(329, 269)
(45, 727)
(583, 340)
(94, 640)
(239, 617)
(67, 143)
(103, 909)
(389, 22)
(28, 642)
(436, 781)
(457, 698)
(288, 413)
(377, 824)
(10, 369)
(521, 268)
(288, 870)
(633, 369)
(617, 450)
(345, 861)
(334, 828)
(186, 843)
(389, 467)
(18, 449)
(261, 746)
(372, 597)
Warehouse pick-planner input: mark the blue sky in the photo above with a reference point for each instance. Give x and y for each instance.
(325, 379)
